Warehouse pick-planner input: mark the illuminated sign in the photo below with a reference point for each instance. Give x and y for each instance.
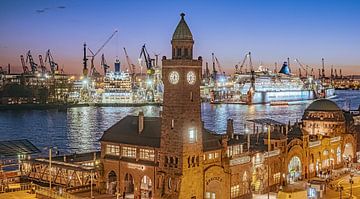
(136, 166)
(216, 178)
(240, 160)
(335, 139)
(315, 143)
(272, 153)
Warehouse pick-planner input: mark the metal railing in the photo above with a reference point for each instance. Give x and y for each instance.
(44, 191)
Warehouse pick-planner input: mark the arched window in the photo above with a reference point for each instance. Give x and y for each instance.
(169, 183)
(338, 155)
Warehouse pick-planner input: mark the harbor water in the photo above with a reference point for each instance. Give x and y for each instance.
(79, 129)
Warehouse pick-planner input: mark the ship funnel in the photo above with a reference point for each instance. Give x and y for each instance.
(285, 69)
(117, 66)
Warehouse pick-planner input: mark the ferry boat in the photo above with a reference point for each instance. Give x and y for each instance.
(266, 87)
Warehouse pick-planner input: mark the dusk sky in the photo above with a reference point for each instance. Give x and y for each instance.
(271, 30)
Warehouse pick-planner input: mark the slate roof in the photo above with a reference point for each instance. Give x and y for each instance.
(182, 31)
(126, 132)
(17, 147)
(211, 141)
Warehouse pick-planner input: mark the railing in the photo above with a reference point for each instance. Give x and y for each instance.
(44, 191)
(14, 187)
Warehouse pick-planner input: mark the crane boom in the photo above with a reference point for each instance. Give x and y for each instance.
(30, 60)
(148, 60)
(131, 66)
(23, 64)
(42, 66)
(103, 64)
(106, 42)
(92, 69)
(218, 65)
(49, 58)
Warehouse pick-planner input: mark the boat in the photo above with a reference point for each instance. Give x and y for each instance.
(265, 87)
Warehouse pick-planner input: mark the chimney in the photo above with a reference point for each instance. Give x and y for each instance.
(230, 128)
(141, 121)
(287, 129)
(9, 69)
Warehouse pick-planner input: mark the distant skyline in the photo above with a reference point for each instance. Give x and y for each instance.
(271, 30)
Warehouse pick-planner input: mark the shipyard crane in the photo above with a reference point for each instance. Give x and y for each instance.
(92, 69)
(30, 60)
(53, 65)
(306, 67)
(23, 64)
(103, 64)
(42, 66)
(247, 55)
(214, 75)
(131, 66)
(148, 61)
(219, 66)
(302, 66)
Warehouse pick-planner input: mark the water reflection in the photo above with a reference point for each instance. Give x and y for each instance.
(79, 129)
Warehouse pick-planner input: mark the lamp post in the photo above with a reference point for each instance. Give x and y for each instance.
(351, 183)
(50, 163)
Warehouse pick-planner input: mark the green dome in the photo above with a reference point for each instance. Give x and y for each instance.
(323, 105)
(182, 31)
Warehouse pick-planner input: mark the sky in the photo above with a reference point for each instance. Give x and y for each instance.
(272, 30)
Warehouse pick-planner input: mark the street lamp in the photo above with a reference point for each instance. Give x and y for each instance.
(50, 158)
(340, 189)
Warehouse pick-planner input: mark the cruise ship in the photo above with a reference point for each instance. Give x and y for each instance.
(264, 87)
(117, 88)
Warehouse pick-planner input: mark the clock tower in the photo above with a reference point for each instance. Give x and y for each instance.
(180, 173)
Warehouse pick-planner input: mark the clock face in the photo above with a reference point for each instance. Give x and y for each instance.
(191, 77)
(174, 77)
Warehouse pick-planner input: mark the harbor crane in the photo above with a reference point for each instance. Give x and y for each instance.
(103, 64)
(30, 60)
(237, 69)
(214, 75)
(219, 66)
(148, 61)
(302, 66)
(131, 66)
(93, 69)
(42, 66)
(305, 68)
(53, 65)
(23, 64)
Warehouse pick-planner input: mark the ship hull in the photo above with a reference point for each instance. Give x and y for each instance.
(266, 97)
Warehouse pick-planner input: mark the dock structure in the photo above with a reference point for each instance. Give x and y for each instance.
(77, 172)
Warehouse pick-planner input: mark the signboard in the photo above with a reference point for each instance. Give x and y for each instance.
(240, 160)
(136, 166)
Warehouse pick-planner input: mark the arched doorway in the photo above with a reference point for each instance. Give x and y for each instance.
(348, 153)
(294, 169)
(112, 182)
(146, 188)
(129, 186)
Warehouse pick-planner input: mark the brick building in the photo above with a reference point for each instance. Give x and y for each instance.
(174, 156)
